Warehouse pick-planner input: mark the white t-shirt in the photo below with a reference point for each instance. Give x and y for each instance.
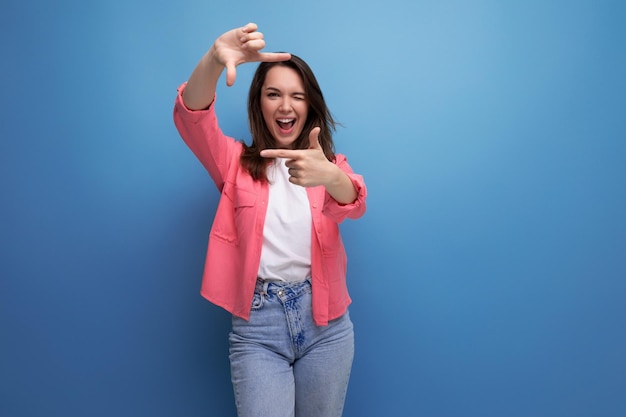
(286, 252)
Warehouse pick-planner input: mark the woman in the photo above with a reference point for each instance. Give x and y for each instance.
(275, 258)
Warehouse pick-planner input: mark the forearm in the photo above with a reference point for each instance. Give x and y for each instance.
(200, 90)
(341, 188)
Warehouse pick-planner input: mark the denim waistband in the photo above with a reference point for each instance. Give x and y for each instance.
(275, 287)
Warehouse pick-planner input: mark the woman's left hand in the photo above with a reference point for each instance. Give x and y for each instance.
(310, 168)
(307, 167)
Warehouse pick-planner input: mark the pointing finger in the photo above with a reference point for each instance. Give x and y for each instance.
(279, 153)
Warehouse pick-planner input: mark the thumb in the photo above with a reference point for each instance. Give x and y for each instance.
(314, 142)
(231, 74)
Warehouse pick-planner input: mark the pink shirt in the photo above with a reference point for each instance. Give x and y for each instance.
(236, 237)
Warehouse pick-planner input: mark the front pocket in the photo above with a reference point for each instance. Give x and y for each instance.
(235, 213)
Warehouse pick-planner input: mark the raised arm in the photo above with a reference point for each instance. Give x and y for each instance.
(232, 48)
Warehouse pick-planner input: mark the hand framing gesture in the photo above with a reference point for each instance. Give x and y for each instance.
(232, 48)
(242, 45)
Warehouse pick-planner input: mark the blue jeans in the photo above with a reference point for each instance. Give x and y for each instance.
(282, 364)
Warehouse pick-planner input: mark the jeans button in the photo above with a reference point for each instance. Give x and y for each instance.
(281, 293)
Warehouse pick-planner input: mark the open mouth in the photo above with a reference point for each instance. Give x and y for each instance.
(285, 124)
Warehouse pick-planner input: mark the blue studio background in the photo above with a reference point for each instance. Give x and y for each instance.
(488, 275)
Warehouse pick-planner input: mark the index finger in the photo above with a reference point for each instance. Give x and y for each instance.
(280, 153)
(274, 56)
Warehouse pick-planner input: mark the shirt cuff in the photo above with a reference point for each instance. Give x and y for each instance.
(189, 114)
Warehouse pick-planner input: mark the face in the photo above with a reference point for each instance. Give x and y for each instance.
(284, 105)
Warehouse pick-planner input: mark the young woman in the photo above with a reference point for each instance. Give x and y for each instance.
(275, 258)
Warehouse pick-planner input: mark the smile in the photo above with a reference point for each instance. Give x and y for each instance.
(285, 124)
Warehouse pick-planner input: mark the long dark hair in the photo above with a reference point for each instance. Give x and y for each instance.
(318, 115)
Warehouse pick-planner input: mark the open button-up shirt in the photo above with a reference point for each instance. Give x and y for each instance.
(236, 237)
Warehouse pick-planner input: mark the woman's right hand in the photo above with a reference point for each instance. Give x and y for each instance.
(233, 48)
(241, 45)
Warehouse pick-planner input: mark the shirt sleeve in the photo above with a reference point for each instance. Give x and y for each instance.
(339, 212)
(200, 130)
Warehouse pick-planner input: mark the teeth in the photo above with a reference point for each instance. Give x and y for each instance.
(285, 120)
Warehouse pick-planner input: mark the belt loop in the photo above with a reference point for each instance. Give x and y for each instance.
(264, 289)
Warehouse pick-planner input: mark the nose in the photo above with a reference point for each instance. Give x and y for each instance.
(285, 105)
